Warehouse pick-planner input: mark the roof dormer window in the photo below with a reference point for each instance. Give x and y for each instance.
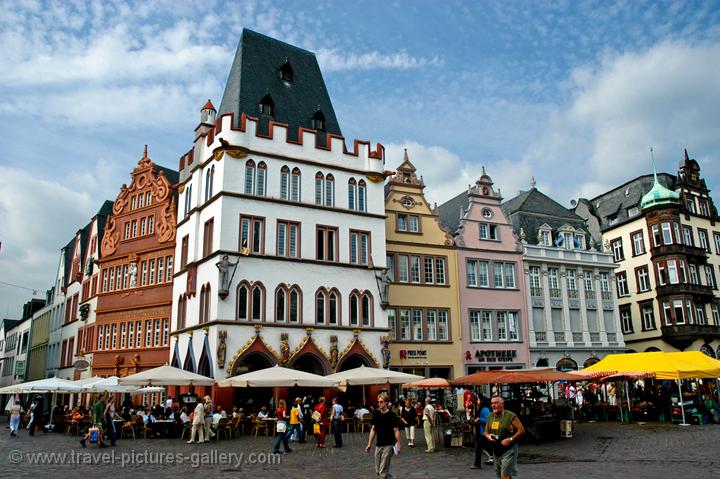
(266, 105)
(318, 121)
(286, 72)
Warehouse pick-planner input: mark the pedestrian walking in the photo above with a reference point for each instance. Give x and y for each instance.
(408, 418)
(198, 424)
(296, 416)
(307, 409)
(281, 428)
(320, 416)
(428, 424)
(336, 419)
(503, 431)
(15, 412)
(110, 421)
(481, 413)
(384, 427)
(209, 411)
(98, 419)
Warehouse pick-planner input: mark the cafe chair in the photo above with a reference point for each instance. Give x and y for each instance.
(127, 429)
(261, 426)
(365, 420)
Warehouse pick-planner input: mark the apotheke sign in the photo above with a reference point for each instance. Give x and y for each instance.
(413, 354)
(495, 355)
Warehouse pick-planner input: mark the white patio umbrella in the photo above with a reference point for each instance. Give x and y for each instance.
(364, 376)
(47, 385)
(149, 390)
(107, 385)
(166, 376)
(278, 376)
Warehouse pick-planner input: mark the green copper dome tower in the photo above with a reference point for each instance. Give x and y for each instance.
(658, 195)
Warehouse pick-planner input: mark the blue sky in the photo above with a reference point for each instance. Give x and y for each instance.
(572, 93)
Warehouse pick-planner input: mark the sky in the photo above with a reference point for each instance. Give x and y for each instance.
(572, 93)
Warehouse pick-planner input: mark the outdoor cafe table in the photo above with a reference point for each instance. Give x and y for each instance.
(165, 426)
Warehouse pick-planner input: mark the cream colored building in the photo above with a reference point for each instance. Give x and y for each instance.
(422, 297)
(664, 234)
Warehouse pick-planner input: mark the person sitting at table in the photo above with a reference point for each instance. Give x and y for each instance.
(361, 411)
(184, 418)
(223, 412)
(151, 423)
(216, 419)
(263, 414)
(125, 414)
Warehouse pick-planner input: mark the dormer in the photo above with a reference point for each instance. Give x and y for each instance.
(286, 72)
(266, 106)
(317, 122)
(565, 237)
(544, 236)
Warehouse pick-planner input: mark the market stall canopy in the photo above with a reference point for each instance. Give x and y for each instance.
(589, 375)
(514, 376)
(429, 383)
(676, 365)
(278, 376)
(364, 376)
(43, 386)
(166, 376)
(629, 375)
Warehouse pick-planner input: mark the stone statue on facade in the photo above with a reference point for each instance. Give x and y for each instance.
(383, 279)
(221, 348)
(133, 275)
(284, 349)
(386, 354)
(333, 352)
(224, 266)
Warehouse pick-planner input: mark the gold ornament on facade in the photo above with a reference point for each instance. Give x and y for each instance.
(284, 349)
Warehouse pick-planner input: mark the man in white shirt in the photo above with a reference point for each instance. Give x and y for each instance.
(428, 424)
(198, 423)
(359, 412)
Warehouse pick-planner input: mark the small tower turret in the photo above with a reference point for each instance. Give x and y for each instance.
(207, 114)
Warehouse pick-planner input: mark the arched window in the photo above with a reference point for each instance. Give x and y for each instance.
(280, 306)
(249, 177)
(257, 303)
(181, 311)
(361, 308)
(366, 309)
(286, 72)
(295, 306)
(362, 196)
(329, 190)
(261, 176)
(319, 182)
(351, 193)
(334, 308)
(250, 301)
(205, 303)
(295, 185)
(242, 302)
(266, 105)
(209, 176)
(284, 180)
(188, 199)
(317, 121)
(320, 307)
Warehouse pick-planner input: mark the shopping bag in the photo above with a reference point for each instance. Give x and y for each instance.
(93, 435)
(316, 428)
(281, 427)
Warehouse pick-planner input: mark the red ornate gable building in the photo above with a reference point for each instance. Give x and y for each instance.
(136, 270)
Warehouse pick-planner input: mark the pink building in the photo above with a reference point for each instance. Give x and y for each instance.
(493, 307)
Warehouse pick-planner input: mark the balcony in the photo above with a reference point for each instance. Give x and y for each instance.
(695, 252)
(536, 292)
(682, 335)
(540, 336)
(699, 290)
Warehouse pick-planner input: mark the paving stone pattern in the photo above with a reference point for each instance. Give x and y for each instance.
(597, 450)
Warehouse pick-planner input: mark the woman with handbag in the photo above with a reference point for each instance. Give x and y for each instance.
(320, 416)
(281, 428)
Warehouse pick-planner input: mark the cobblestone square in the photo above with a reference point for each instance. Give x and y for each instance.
(597, 450)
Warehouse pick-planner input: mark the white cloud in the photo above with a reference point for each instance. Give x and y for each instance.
(666, 96)
(37, 218)
(331, 59)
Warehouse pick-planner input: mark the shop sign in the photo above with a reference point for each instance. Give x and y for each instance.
(495, 355)
(413, 354)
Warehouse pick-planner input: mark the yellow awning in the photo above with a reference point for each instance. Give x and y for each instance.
(678, 365)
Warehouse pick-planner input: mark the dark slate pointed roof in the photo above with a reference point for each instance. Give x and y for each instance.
(618, 202)
(531, 209)
(172, 175)
(256, 72)
(450, 211)
(103, 215)
(68, 251)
